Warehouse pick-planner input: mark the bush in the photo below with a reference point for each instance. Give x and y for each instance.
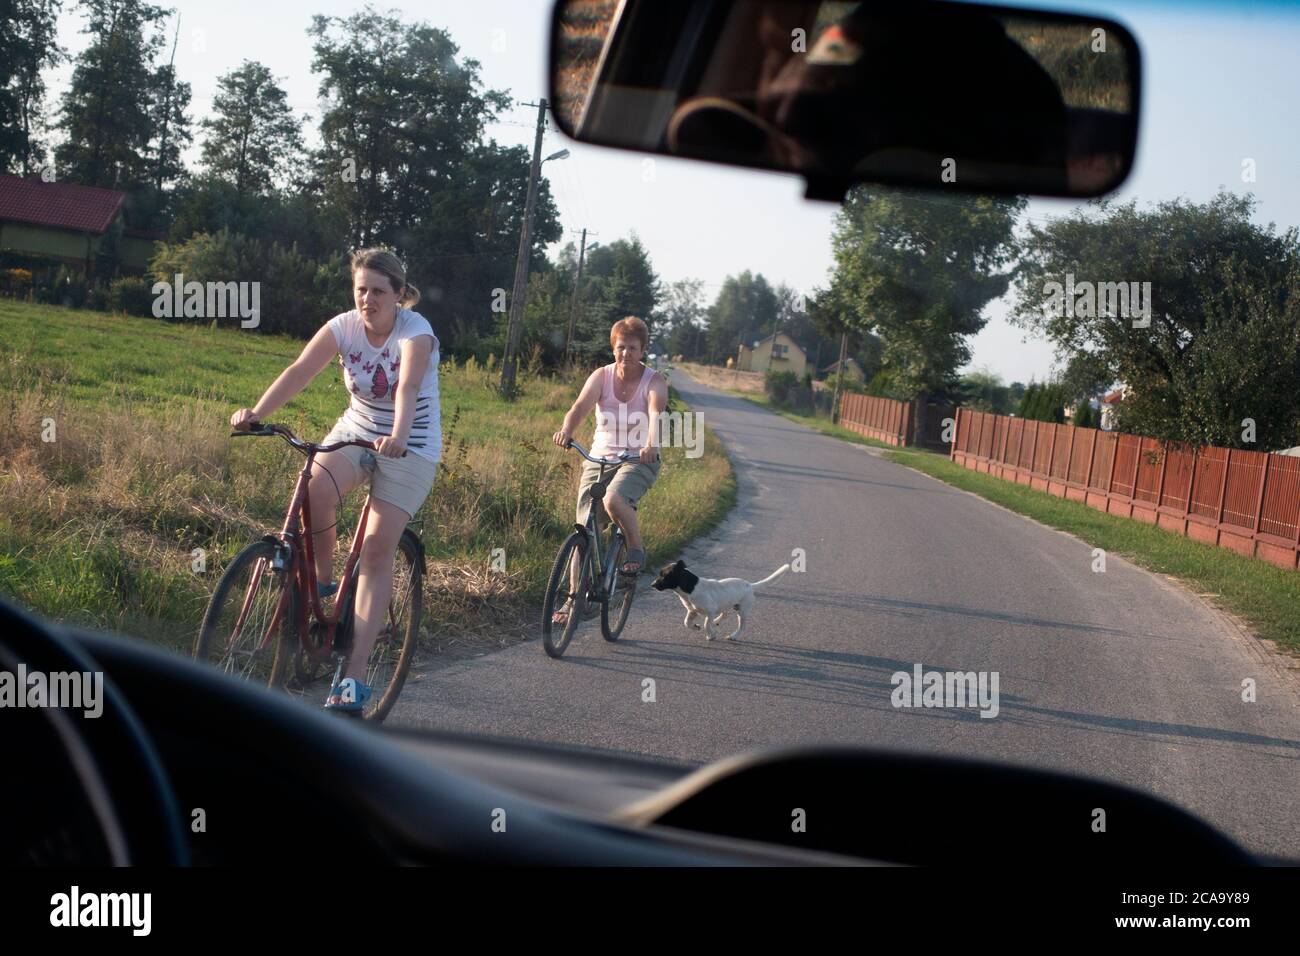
(16, 282)
(63, 286)
(886, 384)
(786, 391)
(847, 384)
(130, 294)
(296, 294)
(779, 384)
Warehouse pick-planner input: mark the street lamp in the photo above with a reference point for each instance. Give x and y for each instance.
(562, 154)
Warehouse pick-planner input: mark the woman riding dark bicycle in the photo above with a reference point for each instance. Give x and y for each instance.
(628, 397)
(389, 356)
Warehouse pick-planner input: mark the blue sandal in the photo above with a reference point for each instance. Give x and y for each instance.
(351, 693)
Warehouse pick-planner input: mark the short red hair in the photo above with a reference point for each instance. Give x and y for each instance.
(631, 327)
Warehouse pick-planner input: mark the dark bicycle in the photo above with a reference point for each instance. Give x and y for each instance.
(598, 582)
(258, 621)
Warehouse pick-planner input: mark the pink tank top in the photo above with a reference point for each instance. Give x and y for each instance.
(622, 426)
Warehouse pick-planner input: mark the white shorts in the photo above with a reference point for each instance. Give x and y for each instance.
(404, 482)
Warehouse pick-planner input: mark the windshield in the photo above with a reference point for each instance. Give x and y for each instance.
(986, 476)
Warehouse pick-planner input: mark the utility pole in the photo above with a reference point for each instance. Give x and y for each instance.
(839, 377)
(573, 302)
(516, 322)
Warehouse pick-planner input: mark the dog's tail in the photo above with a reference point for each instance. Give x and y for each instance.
(771, 577)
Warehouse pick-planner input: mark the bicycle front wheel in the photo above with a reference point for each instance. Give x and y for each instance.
(562, 588)
(236, 635)
(613, 613)
(390, 659)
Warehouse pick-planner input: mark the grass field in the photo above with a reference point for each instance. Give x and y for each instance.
(1264, 597)
(116, 465)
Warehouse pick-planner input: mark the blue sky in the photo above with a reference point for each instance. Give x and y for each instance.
(1221, 85)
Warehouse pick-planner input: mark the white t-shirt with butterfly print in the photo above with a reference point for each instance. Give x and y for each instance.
(371, 375)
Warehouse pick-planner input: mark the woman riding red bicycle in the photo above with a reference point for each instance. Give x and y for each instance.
(389, 356)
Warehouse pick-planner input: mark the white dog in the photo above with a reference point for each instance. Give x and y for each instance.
(711, 599)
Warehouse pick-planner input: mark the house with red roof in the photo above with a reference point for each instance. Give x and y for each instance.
(78, 225)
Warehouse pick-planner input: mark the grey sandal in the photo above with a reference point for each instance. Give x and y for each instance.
(634, 556)
(565, 610)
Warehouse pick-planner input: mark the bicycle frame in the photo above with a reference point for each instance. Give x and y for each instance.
(606, 568)
(297, 554)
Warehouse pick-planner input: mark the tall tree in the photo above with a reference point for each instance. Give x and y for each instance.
(918, 269)
(105, 115)
(745, 310)
(170, 131)
(682, 310)
(252, 136)
(27, 46)
(619, 280)
(1193, 306)
(463, 245)
(402, 115)
(404, 163)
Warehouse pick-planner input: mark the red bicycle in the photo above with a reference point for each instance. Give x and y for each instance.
(258, 621)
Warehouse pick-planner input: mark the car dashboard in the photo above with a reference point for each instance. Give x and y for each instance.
(246, 776)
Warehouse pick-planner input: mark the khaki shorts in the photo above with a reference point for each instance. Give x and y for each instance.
(630, 481)
(404, 482)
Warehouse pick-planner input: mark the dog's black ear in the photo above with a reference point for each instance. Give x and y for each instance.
(680, 563)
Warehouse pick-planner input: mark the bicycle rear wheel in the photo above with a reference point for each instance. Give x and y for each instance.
(561, 588)
(613, 613)
(250, 588)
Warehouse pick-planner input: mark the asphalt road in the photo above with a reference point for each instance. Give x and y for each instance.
(1122, 675)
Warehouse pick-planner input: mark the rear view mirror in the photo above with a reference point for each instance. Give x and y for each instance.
(935, 94)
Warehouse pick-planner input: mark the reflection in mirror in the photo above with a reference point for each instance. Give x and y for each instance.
(984, 98)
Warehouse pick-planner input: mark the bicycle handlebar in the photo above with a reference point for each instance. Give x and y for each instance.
(262, 429)
(623, 456)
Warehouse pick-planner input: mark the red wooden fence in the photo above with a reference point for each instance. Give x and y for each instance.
(1248, 501)
(884, 419)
